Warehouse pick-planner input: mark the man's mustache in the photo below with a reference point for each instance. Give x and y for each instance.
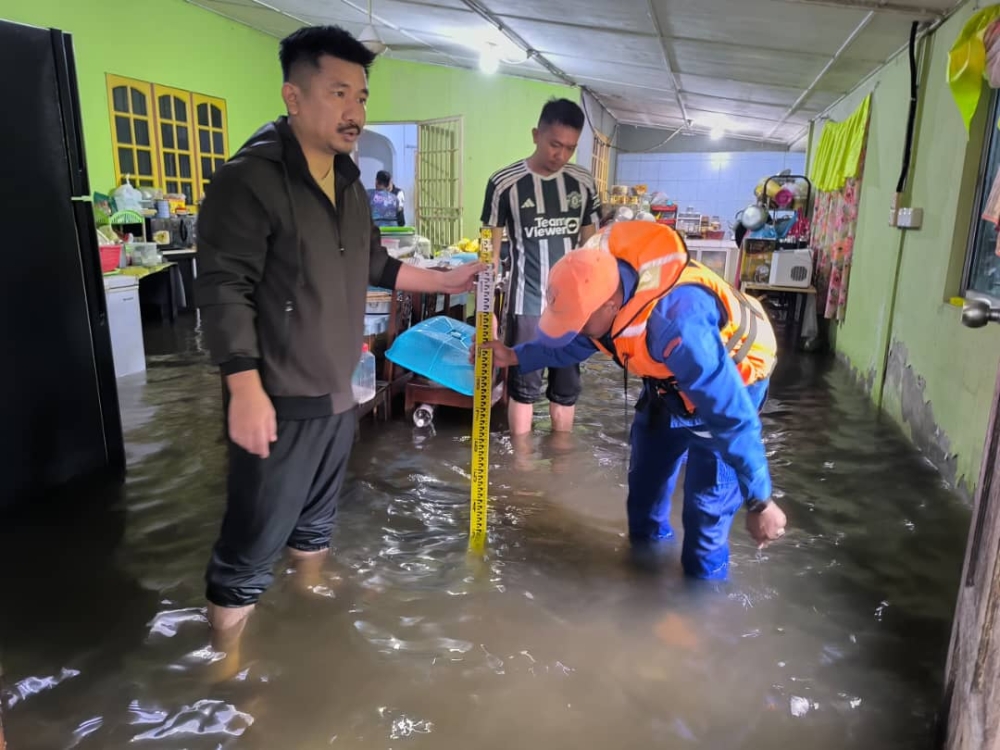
(349, 128)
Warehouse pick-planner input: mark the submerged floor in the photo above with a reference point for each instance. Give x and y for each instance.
(833, 639)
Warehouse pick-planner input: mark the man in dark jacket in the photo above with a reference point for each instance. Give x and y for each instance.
(286, 251)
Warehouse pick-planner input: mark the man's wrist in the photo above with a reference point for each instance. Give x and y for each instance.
(244, 382)
(756, 505)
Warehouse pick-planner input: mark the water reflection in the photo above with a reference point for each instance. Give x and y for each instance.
(834, 638)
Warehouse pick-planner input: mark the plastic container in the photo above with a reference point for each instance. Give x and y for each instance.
(110, 257)
(378, 301)
(363, 381)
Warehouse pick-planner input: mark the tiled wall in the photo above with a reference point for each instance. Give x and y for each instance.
(717, 184)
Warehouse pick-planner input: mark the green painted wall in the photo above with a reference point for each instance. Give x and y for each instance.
(169, 42)
(940, 379)
(137, 38)
(499, 113)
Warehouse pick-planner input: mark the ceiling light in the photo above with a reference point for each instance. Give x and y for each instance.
(717, 133)
(370, 38)
(489, 59)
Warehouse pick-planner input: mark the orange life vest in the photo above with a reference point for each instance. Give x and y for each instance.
(660, 258)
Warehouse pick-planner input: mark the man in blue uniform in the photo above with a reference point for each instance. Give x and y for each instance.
(705, 353)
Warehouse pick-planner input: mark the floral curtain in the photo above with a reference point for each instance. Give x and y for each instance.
(835, 219)
(837, 173)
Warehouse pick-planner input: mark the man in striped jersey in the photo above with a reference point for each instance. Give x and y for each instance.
(548, 207)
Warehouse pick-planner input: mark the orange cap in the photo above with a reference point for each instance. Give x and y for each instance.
(579, 283)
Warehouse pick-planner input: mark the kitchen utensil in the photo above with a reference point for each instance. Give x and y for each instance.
(753, 217)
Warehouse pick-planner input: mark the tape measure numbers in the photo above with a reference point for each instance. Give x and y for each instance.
(482, 398)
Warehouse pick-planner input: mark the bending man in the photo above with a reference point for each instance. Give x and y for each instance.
(705, 353)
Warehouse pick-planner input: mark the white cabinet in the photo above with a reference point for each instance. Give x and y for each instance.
(125, 323)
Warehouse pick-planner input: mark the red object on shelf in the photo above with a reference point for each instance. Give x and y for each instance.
(719, 234)
(110, 257)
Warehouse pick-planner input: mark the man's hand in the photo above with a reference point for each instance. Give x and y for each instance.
(503, 356)
(462, 278)
(252, 422)
(766, 526)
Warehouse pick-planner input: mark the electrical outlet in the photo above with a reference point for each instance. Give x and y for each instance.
(910, 218)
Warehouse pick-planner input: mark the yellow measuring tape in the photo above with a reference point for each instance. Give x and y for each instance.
(482, 398)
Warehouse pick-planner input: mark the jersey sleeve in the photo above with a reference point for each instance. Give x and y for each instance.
(496, 209)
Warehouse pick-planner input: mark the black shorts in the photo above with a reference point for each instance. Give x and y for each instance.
(526, 388)
(288, 499)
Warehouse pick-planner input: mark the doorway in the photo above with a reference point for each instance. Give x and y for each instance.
(425, 161)
(391, 147)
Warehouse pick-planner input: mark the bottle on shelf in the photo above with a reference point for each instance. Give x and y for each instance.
(363, 381)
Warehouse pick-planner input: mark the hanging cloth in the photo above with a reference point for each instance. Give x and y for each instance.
(967, 62)
(839, 152)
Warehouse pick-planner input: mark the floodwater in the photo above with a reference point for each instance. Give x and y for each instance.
(834, 638)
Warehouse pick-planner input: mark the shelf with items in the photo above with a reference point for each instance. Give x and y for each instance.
(787, 201)
(665, 213)
(777, 253)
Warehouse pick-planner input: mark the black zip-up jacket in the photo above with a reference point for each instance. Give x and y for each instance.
(283, 274)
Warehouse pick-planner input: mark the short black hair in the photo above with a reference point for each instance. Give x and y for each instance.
(383, 178)
(307, 45)
(561, 112)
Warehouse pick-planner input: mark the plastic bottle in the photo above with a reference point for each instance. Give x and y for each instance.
(423, 415)
(363, 381)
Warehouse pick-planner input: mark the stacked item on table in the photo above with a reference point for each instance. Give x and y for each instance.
(663, 209)
(400, 242)
(623, 195)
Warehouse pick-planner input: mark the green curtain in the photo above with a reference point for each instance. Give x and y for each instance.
(839, 152)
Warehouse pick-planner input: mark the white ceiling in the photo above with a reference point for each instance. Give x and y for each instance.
(760, 68)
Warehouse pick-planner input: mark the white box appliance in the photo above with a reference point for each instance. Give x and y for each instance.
(791, 268)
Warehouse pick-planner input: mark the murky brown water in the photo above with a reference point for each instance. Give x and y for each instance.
(833, 639)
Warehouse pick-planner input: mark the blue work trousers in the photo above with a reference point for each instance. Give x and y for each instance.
(711, 493)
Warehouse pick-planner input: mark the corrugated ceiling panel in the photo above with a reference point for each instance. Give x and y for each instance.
(768, 24)
(624, 15)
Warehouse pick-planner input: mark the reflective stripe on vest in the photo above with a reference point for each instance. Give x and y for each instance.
(659, 256)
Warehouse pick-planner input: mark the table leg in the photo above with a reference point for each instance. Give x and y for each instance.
(799, 313)
(172, 299)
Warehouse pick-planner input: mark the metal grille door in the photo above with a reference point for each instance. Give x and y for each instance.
(439, 181)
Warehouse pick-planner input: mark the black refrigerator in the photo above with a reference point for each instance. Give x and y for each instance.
(59, 418)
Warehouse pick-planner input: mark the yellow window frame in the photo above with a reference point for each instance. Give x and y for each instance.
(600, 162)
(176, 151)
(211, 101)
(113, 82)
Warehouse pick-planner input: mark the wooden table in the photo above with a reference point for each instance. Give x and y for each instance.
(801, 293)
